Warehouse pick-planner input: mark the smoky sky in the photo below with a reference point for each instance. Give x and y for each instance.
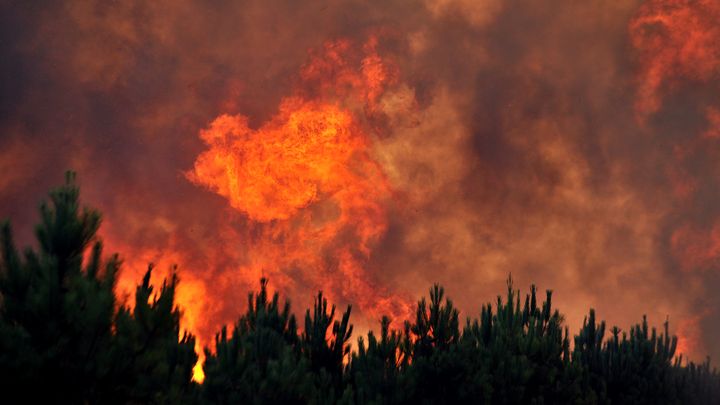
(512, 140)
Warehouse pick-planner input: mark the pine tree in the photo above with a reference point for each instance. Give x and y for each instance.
(59, 323)
(261, 361)
(375, 369)
(150, 359)
(64, 339)
(57, 306)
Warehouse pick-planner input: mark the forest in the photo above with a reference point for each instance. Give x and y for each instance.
(65, 338)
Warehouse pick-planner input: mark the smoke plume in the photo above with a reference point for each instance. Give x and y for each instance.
(371, 149)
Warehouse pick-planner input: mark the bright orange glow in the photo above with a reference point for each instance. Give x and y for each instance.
(190, 294)
(342, 70)
(308, 183)
(198, 372)
(451, 141)
(688, 334)
(289, 163)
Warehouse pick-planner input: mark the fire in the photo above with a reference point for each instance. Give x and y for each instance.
(307, 201)
(314, 196)
(314, 199)
(340, 69)
(304, 154)
(676, 39)
(190, 294)
(688, 334)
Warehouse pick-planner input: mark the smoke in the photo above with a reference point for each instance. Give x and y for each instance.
(574, 145)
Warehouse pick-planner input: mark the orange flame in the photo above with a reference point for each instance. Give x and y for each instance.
(190, 294)
(313, 200)
(305, 153)
(689, 339)
(307, 182)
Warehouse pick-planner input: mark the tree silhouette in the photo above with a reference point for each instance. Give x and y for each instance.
(59, 324)
(149, 356)
(261, 361)
(57, 309)
(65, 339)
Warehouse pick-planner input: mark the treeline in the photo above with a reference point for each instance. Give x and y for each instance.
(65, 339)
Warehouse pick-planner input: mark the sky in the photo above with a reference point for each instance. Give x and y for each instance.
(371, 149)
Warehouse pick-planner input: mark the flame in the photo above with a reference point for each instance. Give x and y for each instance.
(340, 69)
(688, 334)
(675, 39)
(306, 181)
(293, 161)
(190, 294)
(198, 374)
(513, 151)
(313, 197)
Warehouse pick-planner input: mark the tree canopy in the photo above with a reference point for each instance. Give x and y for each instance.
(64, 338)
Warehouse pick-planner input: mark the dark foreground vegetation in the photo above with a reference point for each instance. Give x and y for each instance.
(65, 339)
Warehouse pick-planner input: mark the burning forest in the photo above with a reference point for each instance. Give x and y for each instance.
(355, 154)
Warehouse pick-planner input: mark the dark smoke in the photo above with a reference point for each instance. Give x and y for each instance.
(512, 139)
